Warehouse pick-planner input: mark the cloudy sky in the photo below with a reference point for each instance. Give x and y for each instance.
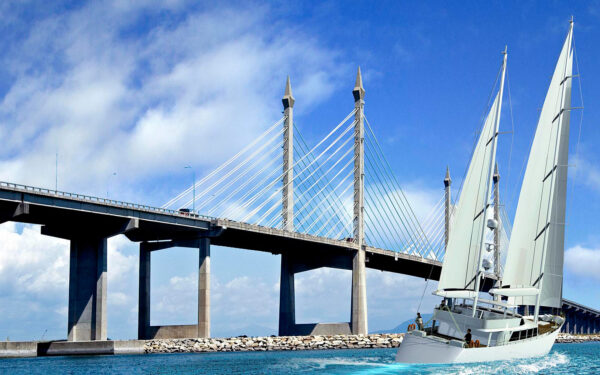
(128, 93)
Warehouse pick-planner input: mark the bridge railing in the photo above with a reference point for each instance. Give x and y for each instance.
(105, 201)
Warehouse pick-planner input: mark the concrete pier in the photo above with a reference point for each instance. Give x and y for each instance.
(287, 303)
(87, 290)
(290, 266)
(204, 288)
(202, 328)
(358, 319)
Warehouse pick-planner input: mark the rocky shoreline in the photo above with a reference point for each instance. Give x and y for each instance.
(243, 344)
(567, 338)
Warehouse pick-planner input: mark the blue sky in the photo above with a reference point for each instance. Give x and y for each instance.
(143, 89)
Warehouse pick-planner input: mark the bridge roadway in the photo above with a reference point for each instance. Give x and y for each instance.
(88, 221)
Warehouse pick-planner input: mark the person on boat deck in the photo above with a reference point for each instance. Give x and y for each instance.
(419, 321)
(468, 337)
(443, 304)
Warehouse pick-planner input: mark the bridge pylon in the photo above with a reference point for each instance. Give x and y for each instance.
(358, 320)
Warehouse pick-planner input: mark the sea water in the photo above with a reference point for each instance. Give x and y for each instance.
(563, 359)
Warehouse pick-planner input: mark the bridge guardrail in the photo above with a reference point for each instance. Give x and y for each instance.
(105, 201)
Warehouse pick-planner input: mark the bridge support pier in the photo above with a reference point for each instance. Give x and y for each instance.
(87, 273)
(293, 264)
(287, 299)
(87, 290)
(202, 329)
(358, 319)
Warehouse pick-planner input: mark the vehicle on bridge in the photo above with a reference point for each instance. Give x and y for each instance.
(533, 271)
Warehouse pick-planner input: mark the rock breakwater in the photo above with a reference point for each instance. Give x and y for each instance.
(235, 344)
(567, 338)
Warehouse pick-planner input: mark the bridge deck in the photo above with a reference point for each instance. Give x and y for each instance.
(60, 212)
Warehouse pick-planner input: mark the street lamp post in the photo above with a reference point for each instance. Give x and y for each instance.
(193, 188)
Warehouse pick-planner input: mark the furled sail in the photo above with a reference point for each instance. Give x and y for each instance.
(461, 261)
(536, 248)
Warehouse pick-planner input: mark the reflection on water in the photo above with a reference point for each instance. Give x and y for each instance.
(564, 359)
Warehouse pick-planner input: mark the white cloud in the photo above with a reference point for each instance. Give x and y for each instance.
(583, 262)
(34, 276)
(144, 106)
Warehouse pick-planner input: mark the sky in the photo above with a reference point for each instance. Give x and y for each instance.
(128, 93)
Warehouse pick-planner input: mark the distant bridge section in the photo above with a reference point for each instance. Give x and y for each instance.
(580, 319)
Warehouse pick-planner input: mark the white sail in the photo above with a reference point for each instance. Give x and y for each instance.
(536, 248)
(462, 258)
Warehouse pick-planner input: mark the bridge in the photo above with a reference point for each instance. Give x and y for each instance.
(336, 204)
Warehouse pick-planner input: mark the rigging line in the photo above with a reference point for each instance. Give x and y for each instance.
(329, 194)
(393, 179)
(244, 173)
(396, 196)
(343, 192)
(249, 146)
(239, 202)
(333, 166)
(296, 176)
(235, 169)
(304, 146)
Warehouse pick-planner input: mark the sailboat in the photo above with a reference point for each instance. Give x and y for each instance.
(504, 327)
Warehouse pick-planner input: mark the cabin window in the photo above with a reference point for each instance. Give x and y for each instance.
(515, 336)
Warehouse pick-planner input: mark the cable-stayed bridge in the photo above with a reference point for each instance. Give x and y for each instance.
(334, 203)
(331, 203)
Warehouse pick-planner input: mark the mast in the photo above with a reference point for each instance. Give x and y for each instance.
(447, 183)
(492, 162)
(497, 229)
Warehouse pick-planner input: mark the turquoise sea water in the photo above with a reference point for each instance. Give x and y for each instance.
(564, 359)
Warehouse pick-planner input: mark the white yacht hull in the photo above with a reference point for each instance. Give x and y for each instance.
(415, 349)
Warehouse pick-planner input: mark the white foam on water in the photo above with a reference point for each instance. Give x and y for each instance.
(544, 363)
